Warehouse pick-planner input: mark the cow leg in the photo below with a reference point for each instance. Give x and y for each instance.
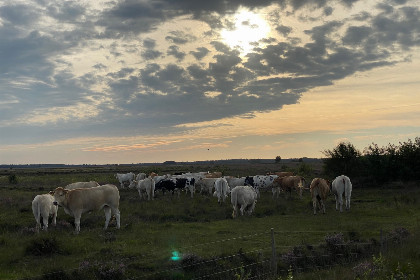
(336, 202)
(38, 222)
(107, 211)
(314, 204)
(322, 205)
(54, 219)
(45, 221)
(116, 212)
(339, 202)
(242, 209)
(139, 190)
(235, 211)
(348, 202)
(77, 217)
(251, 208)
(38, 226)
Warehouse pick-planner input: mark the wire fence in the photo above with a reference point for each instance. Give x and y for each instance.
(267, 261)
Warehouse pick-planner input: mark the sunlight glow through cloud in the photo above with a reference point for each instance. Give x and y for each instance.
(249, 28)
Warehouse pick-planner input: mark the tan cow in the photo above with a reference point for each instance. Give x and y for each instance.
(78, 201)
(283, 174)
(81, 185)
(216, 174)
(206, 185)
(320, 189)
(287, 184)
(43, 207)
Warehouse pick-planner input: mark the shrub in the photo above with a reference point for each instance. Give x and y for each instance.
(43, 247)
(13, 179)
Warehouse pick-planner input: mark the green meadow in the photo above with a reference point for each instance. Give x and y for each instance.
(181, 237)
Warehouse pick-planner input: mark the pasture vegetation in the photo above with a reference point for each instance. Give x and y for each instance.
(197, 230)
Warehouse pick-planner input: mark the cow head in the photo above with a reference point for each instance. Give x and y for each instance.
(132, 184)
(60, 195)
(249, 181)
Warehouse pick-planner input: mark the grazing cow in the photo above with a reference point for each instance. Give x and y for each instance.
(127, 177)
(283, 173)
(260, 182)
(78, 201)
(141, 176)
(221, 189)
(146, 185)
(166, 185)
(206, 185)
(320, 189)
(158, 178)
(81, 185)
(243, 198)
(42, 207)
(341, 186)
(233, 182)
(287, 184)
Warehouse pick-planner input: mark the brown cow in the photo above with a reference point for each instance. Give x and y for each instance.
(216, 174)
(320, 189)
(283, 174)
(78, 201)
(287, 184)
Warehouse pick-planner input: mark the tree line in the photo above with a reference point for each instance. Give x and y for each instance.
(375, 164)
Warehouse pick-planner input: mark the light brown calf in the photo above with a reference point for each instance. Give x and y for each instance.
(320, 188)
(287, 184)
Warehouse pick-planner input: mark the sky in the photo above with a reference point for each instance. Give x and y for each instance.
(139, 81)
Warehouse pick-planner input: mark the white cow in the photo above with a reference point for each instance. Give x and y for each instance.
(81, 185)
(234, 181)
(206, 185)
(221, 189)
(146, 185)
(341, 186)
(158, 178)
(141, 176)
(42, 207)
(243, 198)
(127, 177)
(261, 182)
(78, 201)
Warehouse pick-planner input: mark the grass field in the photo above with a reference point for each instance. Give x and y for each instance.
(211, 244)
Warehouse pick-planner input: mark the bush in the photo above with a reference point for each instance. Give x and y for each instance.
(13, 179)
(43, 247)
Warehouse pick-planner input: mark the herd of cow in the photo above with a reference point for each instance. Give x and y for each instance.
(81, 197)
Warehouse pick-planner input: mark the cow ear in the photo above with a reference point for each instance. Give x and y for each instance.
(51, 192)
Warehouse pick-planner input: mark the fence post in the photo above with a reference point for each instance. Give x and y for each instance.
(273, 254)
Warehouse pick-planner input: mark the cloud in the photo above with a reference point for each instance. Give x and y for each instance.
(83, 68)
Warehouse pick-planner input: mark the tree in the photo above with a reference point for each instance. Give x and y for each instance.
(278, 159)
(343, 159)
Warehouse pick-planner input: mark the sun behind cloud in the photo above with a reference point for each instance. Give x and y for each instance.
(248, 27)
